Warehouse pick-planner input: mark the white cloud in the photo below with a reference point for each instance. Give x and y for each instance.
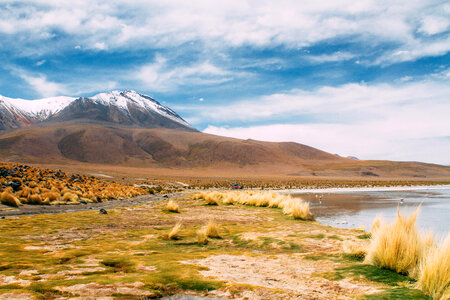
(408, 122)
(40, 63)
(100, 46)
(159, 24)
(434, 25)
(159, 76)
(337, 56)
(44, 87)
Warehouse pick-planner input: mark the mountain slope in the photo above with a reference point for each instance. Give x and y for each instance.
(94, 144)
(127, 108)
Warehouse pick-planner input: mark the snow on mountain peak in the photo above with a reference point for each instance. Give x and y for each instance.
(123, 98)
(40, 108)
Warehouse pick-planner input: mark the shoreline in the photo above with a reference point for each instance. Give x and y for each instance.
(362, 189)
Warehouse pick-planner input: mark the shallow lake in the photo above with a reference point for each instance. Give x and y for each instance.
(352, 208)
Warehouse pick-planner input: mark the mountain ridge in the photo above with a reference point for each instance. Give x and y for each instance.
(121, 107)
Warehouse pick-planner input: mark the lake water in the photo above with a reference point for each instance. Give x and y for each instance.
(352, 208)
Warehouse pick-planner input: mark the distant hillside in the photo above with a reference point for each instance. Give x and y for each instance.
(69, 143)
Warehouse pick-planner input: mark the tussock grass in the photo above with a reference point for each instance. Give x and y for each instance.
(202, 236)
(9, 199)
(294, 207)
(397, 246)
(172, 207)
(434, 271)
(174, 233)
(70, 197)
(212, 230)
(298, 209)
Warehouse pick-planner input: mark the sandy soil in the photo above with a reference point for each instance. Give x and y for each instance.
(290, 273)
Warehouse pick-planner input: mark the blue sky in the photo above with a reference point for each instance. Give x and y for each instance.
(363, 78)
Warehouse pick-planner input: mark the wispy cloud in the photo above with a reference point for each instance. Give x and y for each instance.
(373, 122)
(161, 76)
(292, 24)
(43, 86)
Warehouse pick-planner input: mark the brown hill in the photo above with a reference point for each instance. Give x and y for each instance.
(68, 143)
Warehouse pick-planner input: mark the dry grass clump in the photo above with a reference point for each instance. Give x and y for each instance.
(172, 207)
(173, 234)
(33, 186)
(434, 271)
(212, 230)
(202, 236)
(294, 207)
(398, 246)
(298, 209)
(9, 199)
(212, 198)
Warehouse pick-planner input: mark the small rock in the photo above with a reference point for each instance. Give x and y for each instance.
(103, 211)
(15, 184)
(83, 202)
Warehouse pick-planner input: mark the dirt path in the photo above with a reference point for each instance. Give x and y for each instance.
(6, 211)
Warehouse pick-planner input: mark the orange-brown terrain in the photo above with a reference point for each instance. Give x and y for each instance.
(166, 152)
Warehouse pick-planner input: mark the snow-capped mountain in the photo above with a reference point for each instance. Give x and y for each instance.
(127, 108)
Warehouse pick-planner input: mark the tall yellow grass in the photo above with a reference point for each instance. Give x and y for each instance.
(397, 246)
(434, 271)
(400, 247)
(9, 199)
(294, 207)
(212, 230)
(202, 236)
(172, 207)
(173, 234)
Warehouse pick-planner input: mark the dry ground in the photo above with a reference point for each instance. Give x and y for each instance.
(125, 254)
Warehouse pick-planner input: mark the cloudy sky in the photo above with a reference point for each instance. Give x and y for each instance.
(363, 78)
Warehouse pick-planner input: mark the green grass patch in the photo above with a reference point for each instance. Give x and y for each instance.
(364, 236)
(399, 293)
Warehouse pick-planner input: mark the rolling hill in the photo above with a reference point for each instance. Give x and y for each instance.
(127, 129)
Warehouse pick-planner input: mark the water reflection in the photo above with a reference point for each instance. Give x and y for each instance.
(359, 209)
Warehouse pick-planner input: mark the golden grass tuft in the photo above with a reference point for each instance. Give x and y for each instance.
(70, 197)
(9, 199)
(434, 271)
(202, 236)
(294, 207)
(298, 209)
(173, 234)
(212, 230)
(172, 207)
(34, 199)
(397, 246)
(51, 196)
(212, 199)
